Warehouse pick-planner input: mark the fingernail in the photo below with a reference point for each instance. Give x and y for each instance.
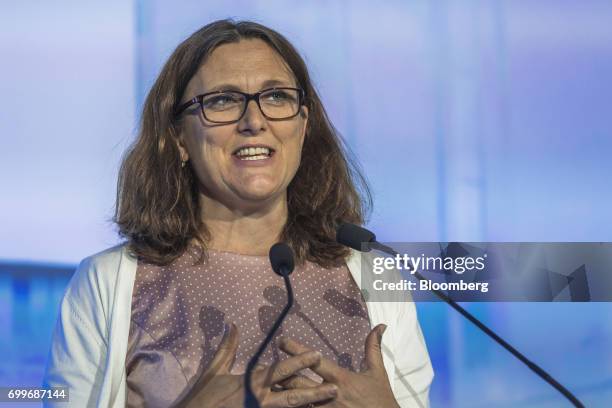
(333, 390)
(226, 330)
(381, 332)
(312, 356)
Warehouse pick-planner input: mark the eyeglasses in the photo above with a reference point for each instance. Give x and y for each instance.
(230, 106)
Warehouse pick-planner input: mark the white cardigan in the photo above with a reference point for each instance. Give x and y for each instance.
(90, 340)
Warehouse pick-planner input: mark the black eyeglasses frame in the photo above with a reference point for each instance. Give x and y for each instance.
(248, 98)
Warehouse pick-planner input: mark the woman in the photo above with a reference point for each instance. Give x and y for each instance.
(235, 153)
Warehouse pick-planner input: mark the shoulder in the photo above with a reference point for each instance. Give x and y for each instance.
(103, 267)
(93, 284)
(363, 267)
(109, 258)
(359, 263)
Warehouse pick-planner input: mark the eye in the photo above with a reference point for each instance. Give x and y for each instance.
(278, 96)
(221, 101)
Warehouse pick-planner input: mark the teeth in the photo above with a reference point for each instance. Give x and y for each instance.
(254, 152)
(260, 157)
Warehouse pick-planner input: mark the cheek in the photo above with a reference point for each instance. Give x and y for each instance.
(300, 145)
(293, 142)
(207, 154)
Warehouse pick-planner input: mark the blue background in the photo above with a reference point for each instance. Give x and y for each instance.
(473, 120)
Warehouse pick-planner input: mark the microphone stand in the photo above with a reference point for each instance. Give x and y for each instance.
(250, 401)
(533, 366)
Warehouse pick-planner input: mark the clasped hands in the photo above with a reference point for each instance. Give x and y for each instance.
(281, 385)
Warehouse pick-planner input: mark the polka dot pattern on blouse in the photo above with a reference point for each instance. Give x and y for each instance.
(179, 312)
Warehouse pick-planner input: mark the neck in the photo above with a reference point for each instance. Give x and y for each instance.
(249, 230)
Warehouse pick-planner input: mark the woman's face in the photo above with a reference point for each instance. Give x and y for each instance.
(214, 150)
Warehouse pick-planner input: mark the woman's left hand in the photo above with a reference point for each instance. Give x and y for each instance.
(368, 388)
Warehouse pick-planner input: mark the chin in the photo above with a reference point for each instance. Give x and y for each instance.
(260, 188)
(259, 193)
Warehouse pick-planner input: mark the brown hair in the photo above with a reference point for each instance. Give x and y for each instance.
(158, 208)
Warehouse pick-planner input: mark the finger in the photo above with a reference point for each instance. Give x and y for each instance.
(373, 348)
(327, 369)
(296, 398)
(226, 352)
(221, 363)
(299, 381)
(286, 368)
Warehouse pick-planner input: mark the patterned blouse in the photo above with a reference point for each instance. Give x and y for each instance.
(179, 312)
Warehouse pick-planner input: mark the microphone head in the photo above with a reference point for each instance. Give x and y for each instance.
(353, 236)
(281, 257)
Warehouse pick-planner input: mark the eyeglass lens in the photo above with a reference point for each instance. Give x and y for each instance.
(229, 106)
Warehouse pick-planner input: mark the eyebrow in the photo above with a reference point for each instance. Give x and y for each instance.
(270, 83)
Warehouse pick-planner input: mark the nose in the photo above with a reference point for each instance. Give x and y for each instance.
(253, 121)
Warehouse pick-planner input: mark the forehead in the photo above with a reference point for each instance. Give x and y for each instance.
(246, 64)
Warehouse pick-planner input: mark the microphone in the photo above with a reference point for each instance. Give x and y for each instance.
(355, 236)
(281, 259)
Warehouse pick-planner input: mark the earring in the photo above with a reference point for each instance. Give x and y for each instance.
(183, 163)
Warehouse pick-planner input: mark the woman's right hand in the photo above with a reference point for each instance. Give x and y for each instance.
(218, 388)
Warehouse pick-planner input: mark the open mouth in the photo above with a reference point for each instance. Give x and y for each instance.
(254, 153)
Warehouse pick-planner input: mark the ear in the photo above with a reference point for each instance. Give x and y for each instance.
(181, 146)
(304, 114)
